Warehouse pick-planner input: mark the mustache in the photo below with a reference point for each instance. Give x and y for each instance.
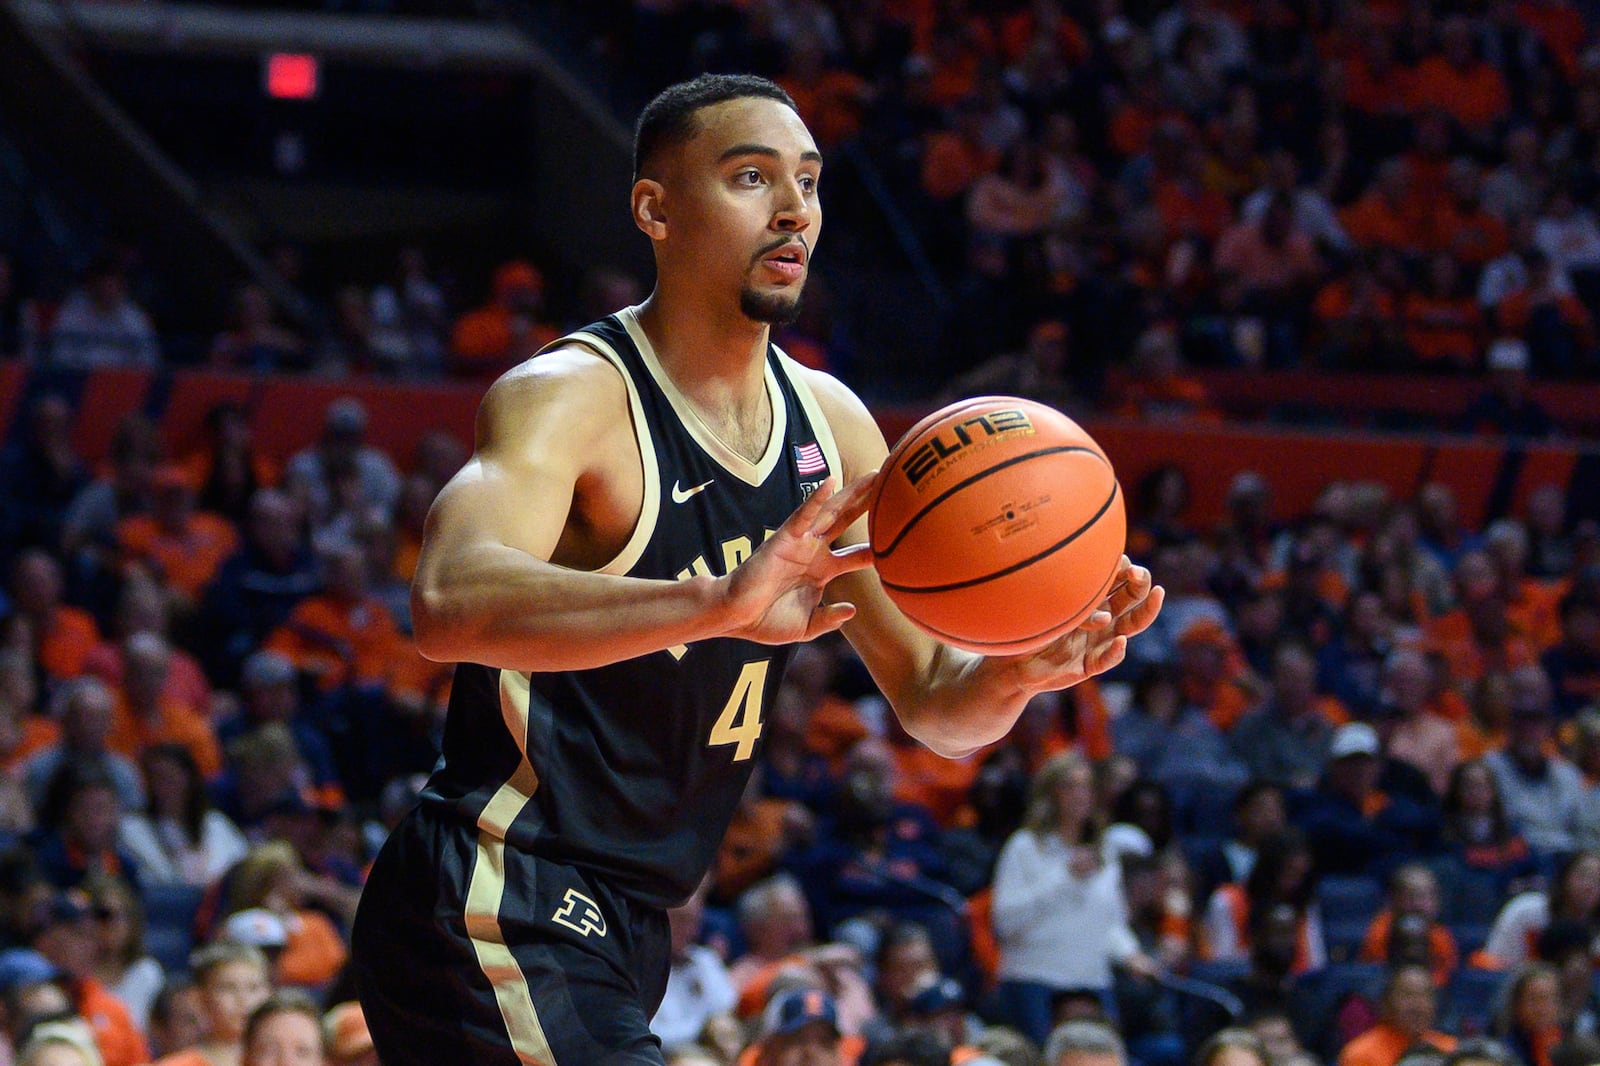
(775, 245)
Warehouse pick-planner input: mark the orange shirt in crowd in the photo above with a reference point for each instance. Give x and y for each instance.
(1375, 222)
(65, 643)
(1473, 237)
(408, 549)
(119, 1039)
(1475, 97)
(1442, 331)
(198, 465)
(1190, 209)
(24, 736)
(1020, 29)
(1238, 905)
(186, 682)
(174, 724)
(188, 1057)
(951, 163)
(187, 560)
(833, 729)
(831, 104)
(939, 784)
(490, 339)
(1336, 300)
(1442, 949)
(1383, 1044)
(1451, 635)
(1374, 92)
(751, 846)
(1516, 309)
(338, 641)
(315, 952)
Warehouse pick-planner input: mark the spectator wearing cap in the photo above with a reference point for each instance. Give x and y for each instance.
(1353, 826)
(258, 585)
(1507, 408)
(146, 716)
(1543, 792)
(939, 1007)
(99, 325)
(799, 1028)
(86, 709)
(179, 838)
(509, 328)
(698, 986)
(1406, 1018)
(233, 982)
(63, 635)
(274, 877)
(349, 1041)
(182, 546)
(64, 934)
(343, 446)
(1573, 897)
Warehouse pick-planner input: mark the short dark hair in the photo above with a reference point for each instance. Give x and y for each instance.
(669, 118)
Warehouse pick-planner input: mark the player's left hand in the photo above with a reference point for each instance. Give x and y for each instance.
(1100, 641)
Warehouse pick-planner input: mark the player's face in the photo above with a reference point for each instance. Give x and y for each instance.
(744, 205)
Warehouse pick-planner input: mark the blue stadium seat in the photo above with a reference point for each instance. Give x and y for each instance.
(1470, 1001)
(1348, 905)
(1316, 997)
(169, 913)
(1475, 897)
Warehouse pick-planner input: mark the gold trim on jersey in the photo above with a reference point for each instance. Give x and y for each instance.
(509, 799)
(750, 473)
(650, 509)
(819, 422)
(485, 890)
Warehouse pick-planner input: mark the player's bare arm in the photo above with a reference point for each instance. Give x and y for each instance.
(953, 701)
(506, 577)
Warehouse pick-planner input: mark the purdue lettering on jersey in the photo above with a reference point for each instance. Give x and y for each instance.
(633, 770)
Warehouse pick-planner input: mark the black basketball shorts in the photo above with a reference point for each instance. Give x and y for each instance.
(466, 951)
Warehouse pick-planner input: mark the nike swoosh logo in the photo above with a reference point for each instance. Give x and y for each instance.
(682, 495)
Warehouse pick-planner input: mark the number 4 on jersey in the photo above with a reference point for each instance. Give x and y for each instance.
(740, 720)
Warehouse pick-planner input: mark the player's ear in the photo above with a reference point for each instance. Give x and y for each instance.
(649, 208)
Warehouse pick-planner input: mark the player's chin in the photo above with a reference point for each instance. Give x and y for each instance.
(774, 307)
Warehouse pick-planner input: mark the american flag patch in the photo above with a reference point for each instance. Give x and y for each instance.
(808, 459)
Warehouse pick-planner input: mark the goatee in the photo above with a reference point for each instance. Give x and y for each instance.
(772, 308)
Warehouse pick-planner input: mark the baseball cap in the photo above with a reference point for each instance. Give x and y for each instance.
(24, 966)
(348, 1035)
(1508, 353)
(257, 927)
(791, 1011)
(1354, 738)
(266, 668)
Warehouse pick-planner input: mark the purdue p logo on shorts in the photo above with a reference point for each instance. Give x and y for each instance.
(580, 913)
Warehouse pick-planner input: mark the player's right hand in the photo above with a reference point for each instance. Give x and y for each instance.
(775, 596)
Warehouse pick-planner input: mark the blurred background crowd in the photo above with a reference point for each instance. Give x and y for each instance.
(1342, 804)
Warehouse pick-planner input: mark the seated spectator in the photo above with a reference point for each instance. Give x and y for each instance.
(1573, 896)
(1267, 264)
(285, 1028)
(99, 325)
(181, 546)
(1517, 186)
(1543, 792)
(1418, 736)
(1084, 1043)
(343, 446)
(180, 838)
(63, 635)
(1258, 816)
(233, 981)
(227, 467)
(761, 831)
(77, 834)
(1406, 1018)
(1059, 912)
(144, 716)
(1286, 742)
(1174, 743)
(63, 932)
(1507, 408)
(89, 528)
(1573, 663)
(23, 729)
(1313, 214)
(1508, 272)
(1530, 1020)
(121, 963)
(343, 635)
(1040, 372)
(272, 877)
(349, 1039)
(1159, 386)
(1463, 227)
(257, 588)
(1017, 200)
(1441, 324)
(1413, 895)
(800, 1025)
(1460, 83)
(254, 340)
(1282, 875)
(144, 608)
(1357, 318)
(1568, 233)
(509, 328)
(1387, 215)
(1557, 329)
(995, 807)
(40, 473)
(775, 920)
(1476, 829)
(178, 1016)
(85, 709)
(1566, 946)
(269, 694)
(1354, 827)
(698, 984)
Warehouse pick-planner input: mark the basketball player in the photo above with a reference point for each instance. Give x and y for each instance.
(651, 520)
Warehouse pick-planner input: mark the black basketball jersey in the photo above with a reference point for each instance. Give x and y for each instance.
(633, 770)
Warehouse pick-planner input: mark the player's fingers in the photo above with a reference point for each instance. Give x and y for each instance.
(1099, 619)
(828, 617)
(1138, 619)
(805, 516)
(1106, 656)
(846, 561)
(845, 507)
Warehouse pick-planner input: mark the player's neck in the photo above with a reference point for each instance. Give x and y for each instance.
(715, 358)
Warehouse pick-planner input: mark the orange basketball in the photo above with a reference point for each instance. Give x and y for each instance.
(997, 524)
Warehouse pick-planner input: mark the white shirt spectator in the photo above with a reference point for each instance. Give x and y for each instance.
(140, 985)
(1055, 928)
(1313, 214)
(1503, 276)
(166, 856)
(86, 335)
(1222, 932)
(698, 989)
(1547, 810)
(1516, 927)
(1572, 241)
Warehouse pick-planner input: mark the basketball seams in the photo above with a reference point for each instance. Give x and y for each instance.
(1019, 565)
(973, 479)
(1021, 644)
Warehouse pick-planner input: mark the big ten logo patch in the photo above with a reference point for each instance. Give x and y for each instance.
(957, 442)
(580, 913)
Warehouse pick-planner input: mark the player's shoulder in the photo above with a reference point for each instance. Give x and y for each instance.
(837, 401)
(566, 387)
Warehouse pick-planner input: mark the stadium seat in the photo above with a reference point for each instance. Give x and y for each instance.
(1348, 905)
(1471, 998)
(169, 913)
(1317, 996)
(1473, 897)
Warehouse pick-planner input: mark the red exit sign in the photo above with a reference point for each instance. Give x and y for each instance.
(293, 76)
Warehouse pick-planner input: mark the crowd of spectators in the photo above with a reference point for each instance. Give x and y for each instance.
(1298, 807)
